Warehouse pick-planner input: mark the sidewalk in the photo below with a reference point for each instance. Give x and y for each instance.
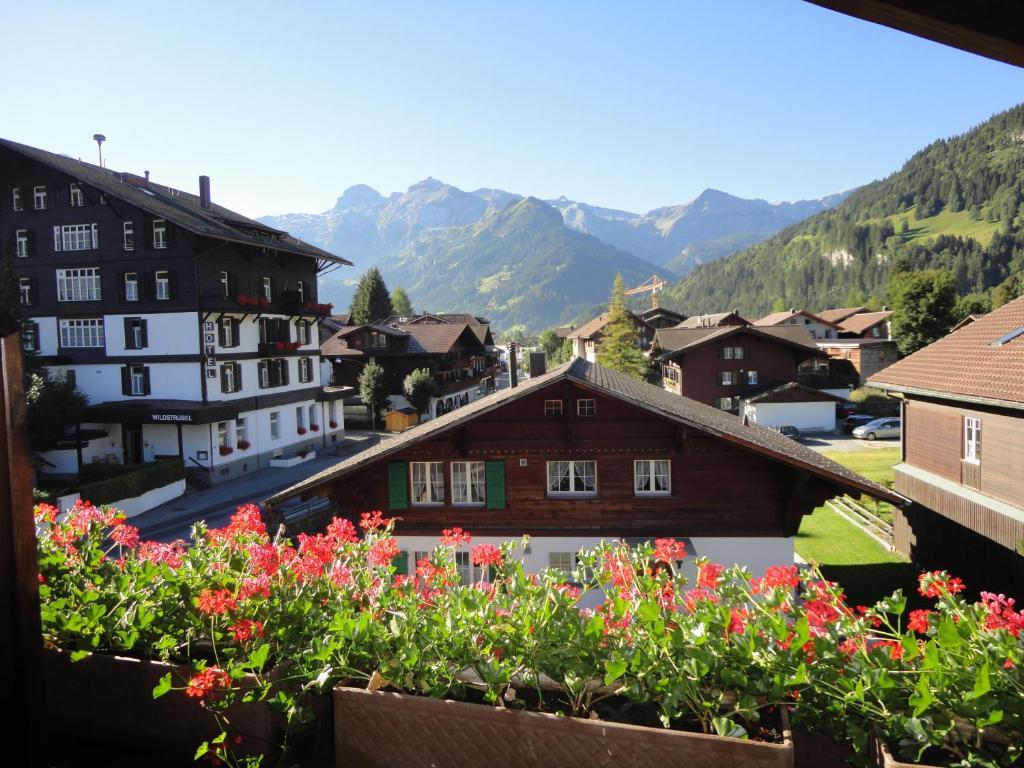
(215, 505)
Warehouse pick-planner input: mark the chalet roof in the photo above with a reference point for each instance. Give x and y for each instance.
(649, 314)
(712, 320)
(981, 362)
(792, 392)
(336, 346)
(671, 341)
(591, 328)
(633, 391)
(435, 338)
(863, 322)
(778, 318)
(176, 206)
(838, 315)
(564, 331)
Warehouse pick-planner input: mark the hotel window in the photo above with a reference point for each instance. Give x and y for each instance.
(135, 380)
(585, 407)
(76, 237)
(159, 234)
(25, 291)
(652, 477)
(972, 439)
(302, 332)
(572, 478)
(726, 378)
(275, 425)
(301, 288)
(313, 421)
(78, 284)
(427, 482)
(128, 235)
(163, 285)
(267, 286)
(300, 418)
(135, 336)
(552, 407)
(751, 377)
(273, 373)
(230, 378)
(228, 332)
(77, 201)
(21, 243)
(16, 199)
(240, 431)
(40, 198)
(264, 369)
(131, 286)
(222, 434)
(81, 333)
(30, 337)
(225, 283)
(468, 482)
(305, 369)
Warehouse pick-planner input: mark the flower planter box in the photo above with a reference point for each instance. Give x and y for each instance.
(884, 758)
(296, 459)
(387, 729)
(110, 699)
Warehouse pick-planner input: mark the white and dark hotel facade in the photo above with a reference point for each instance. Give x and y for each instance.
(191, 329)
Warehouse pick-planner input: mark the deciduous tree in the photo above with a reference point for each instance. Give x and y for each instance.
(400, 302)
(373, 390)
(923, 307)
(418, 388)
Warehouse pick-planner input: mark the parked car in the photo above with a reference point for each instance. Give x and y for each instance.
(788, 431)
(856, 420)
(887, 427)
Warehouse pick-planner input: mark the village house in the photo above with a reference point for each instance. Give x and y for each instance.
(580, 454)
(864, 346)
(715, 320)
(586, 340)
(191, 329)
(660, 317)
(718, 365)
(816, 326)
(962, 462)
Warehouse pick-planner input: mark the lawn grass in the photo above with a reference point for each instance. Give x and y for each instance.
(875, 464)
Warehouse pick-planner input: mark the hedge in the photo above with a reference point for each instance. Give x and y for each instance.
(132, 484)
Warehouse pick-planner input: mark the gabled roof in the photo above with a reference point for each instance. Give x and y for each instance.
(337, 345)
(564, 331)
(176, 206)
(649, 314)
(778, 318)
(593, 327)
(982, 362)
(627, 389)
(838, 315)
(435, 338)
(671, 341)
(713, 320)
(793, 392)
(864, 321)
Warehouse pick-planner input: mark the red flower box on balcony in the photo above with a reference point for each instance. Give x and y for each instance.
(295, 345)
(334, 425)
(264, 302)
(242, 299)
(315, 427)
(279, 346)
(225, 450)
(243, 445)
(301, 430)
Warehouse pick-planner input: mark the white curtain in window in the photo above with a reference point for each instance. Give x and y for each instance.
(642, 476)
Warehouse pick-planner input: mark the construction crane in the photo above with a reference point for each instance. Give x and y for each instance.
(653, 284)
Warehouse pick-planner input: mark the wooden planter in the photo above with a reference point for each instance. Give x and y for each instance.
(884, 758)
(378, 729)
(109, 699)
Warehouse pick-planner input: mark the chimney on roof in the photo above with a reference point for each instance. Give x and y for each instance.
(792, 311)
(147, 179)
(204, 191)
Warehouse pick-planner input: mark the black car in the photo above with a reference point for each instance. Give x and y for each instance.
(789, 431)
(850, 423)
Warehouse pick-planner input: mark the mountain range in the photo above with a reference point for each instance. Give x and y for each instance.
(522, 260)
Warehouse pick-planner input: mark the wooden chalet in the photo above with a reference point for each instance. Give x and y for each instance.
(661, 317)
(586, 339)
(583, 453)
(714, 320)
(719, 365)
(815, 325)
(963, 449)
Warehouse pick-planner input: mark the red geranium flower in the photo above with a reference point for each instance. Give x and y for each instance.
(709, 574)
(454, 537)
(933, 584)
(370, 520)
(216, 601)
(383, 552)
(669, 550)
(125, 535)
(246, 629)
(209, 683)
(486, 554)
(918, 621)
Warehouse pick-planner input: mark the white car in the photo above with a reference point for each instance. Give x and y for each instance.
(887, 427)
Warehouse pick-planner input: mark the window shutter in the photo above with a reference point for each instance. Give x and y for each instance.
(56, 238)
(149, 285)
(125, 381)
(129, 343)
(145, 333)
(401, 563)
(172, 284)
(236, 327)
(168, 234)
(220, 333)
(35, 334)
(145, 380)
(232, 285)
(120, 286)
(33, 299)
(30, 244)
(495, 483)
(284, 372)
(398, 488)
(238, 377)
(224, 377)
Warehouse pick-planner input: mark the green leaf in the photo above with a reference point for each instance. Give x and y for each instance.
(202, 750)
(649, 611)
(993, 717)
(981, 683)
(799, 677)
(947, 634)
(259, 657)
(163, 686)
(79, 655)
(614, 669)
(922, 697)
(726, 727)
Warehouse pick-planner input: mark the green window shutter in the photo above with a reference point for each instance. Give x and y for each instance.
(495, 473)
(398, 485)
(401, 563)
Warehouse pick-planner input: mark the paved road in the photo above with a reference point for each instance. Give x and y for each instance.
(835, 442)
(174, 519)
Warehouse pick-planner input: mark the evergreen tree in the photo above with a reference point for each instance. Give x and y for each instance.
(620, 342)
(923, 306)
(373, 390)
(372, 302)
(53, 404)
(400, 302)
(418, 388)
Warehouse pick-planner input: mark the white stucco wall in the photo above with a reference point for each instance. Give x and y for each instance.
(168, 333)
(150, 499)
(807, 417)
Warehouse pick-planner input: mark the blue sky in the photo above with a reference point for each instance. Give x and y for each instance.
(629, 104)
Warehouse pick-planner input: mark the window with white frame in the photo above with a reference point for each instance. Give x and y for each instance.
(464, 566)
(16, 199)
(724, 403)
(159, 233)
(572, 478)
(228, 378)
(77, 201)
(40, 198)
(562, 561)
(128, 235)
(427, 482)
(302, 332)
(552, 407)
(81, 333)
(137, 380)
(300, 417)
(240, 431)
(585, 407)
(135, 333)
(275, 425)
(732, 353)
(652, 477)
(726, 378)
(225, 283)
(301, 288)
(82, 284)
(30, 337)
(21, 243)
(264, 372)
(163, 285)
(131, 286)
(267, 286)
(222, 434)
(313, 421)
(468, 482)
(227, 330)
(76, 237)
(751, 377)
(25, 290)
(972, 439)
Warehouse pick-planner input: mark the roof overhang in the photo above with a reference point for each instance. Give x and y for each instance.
(955, 396)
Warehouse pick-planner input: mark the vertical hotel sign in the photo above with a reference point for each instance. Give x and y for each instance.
(210, 348)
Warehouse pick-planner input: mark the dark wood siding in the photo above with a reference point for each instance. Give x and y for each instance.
(933, 437)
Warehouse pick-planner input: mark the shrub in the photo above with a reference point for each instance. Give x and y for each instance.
(129, 484)
(875, 402)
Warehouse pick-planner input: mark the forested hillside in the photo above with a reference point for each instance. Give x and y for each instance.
(958, 204)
